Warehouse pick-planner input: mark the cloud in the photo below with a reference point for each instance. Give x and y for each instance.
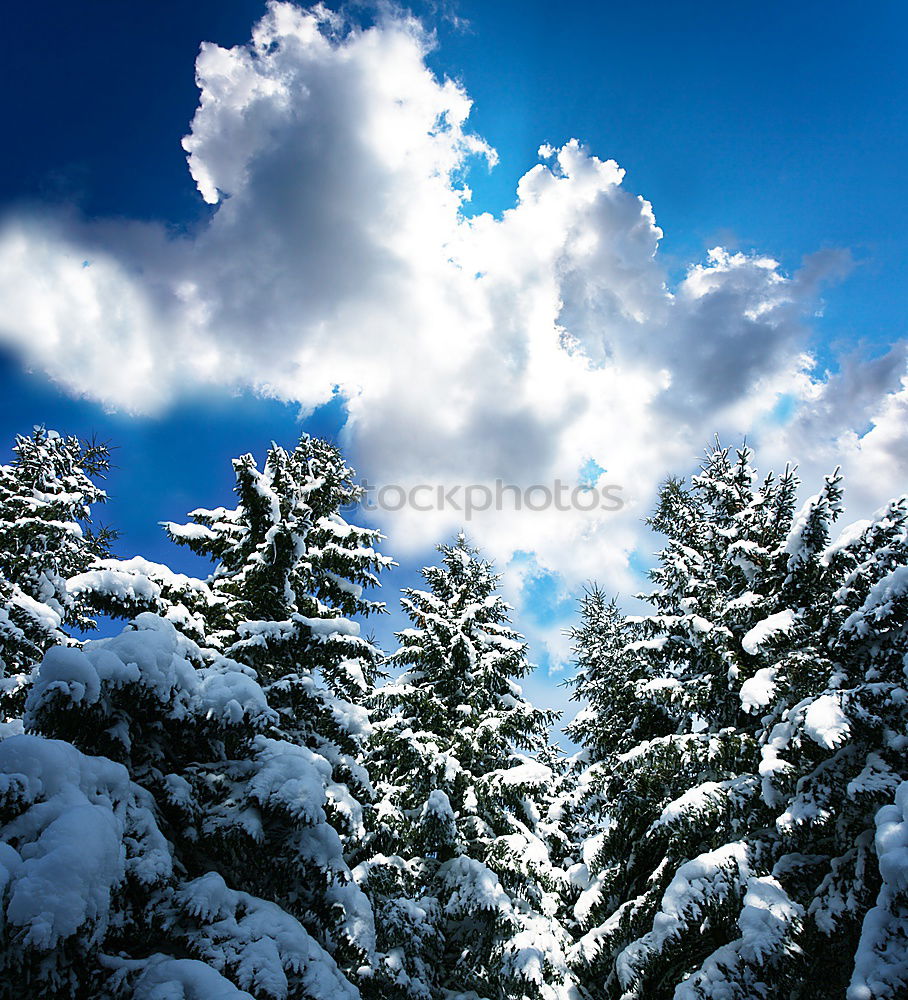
(340, 256)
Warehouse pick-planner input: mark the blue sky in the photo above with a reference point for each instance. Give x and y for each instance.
(781, 126)
(771, 129)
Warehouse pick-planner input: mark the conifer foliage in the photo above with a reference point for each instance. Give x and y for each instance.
(213, 745)
(463, 882)
(731, 831)
(46, 496)
(219, 801)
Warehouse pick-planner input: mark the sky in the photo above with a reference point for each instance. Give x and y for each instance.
(471, 243)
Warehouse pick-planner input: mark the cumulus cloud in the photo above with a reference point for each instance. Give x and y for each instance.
(340, 257)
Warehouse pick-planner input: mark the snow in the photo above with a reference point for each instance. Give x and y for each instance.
(321, 846)
(131, 580)
(590, 895)
(67, 669)
(847, 536)
(529, 772)
(532, 951)
(168, 978)
(655, 644)
(891, 841)
(696, 799)
(438, 805)
(737, 555)
(794, 544)
(694, 883)
(263, 946)
(473, 887)
(825, 722)
(327, 627)
(877, 776)
(190, 532)
(771, 763)
(354, 670)
(659, 684)
(767, 911)
(290, 778)
(346, 586)
(758, 691)
(152, 655)
(11, 727)
(746, 600)
(123, 586)
(767, 921)
(763, 631)
(352, 719)
(880, 600)
(881, 959)
(62, 849)
(40, 612)
(358, 922)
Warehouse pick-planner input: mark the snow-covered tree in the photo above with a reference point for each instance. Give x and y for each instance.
(612, 721)
(763, 703)
(290, 576)
(465, 893)
(604, 679)
(46, 495)
(229, 704)
(289, 573)
(111, 863)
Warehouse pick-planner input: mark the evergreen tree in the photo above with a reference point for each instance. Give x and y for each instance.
(466, 896)
(765, 728)
(46, 496)
(139, 748)
(605, 679)
(290, 574)
(189, 811)
(242, 745)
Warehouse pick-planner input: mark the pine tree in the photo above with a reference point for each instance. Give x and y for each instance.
(46, 496)
(604, 680)
(464, 890)
(137, 748)
(290, 575)
(243, 745)
(734, 856)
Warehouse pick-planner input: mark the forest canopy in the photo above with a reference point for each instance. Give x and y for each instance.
(239, 794)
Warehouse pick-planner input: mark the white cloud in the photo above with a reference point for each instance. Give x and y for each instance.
(338, 257)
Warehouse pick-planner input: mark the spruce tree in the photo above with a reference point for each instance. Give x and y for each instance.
(46, 496)
(465, 893)
(229, 704)
(138, 749)
(291, 574)
(734, 856)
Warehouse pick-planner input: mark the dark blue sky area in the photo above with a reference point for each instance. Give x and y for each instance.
(774, 126)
